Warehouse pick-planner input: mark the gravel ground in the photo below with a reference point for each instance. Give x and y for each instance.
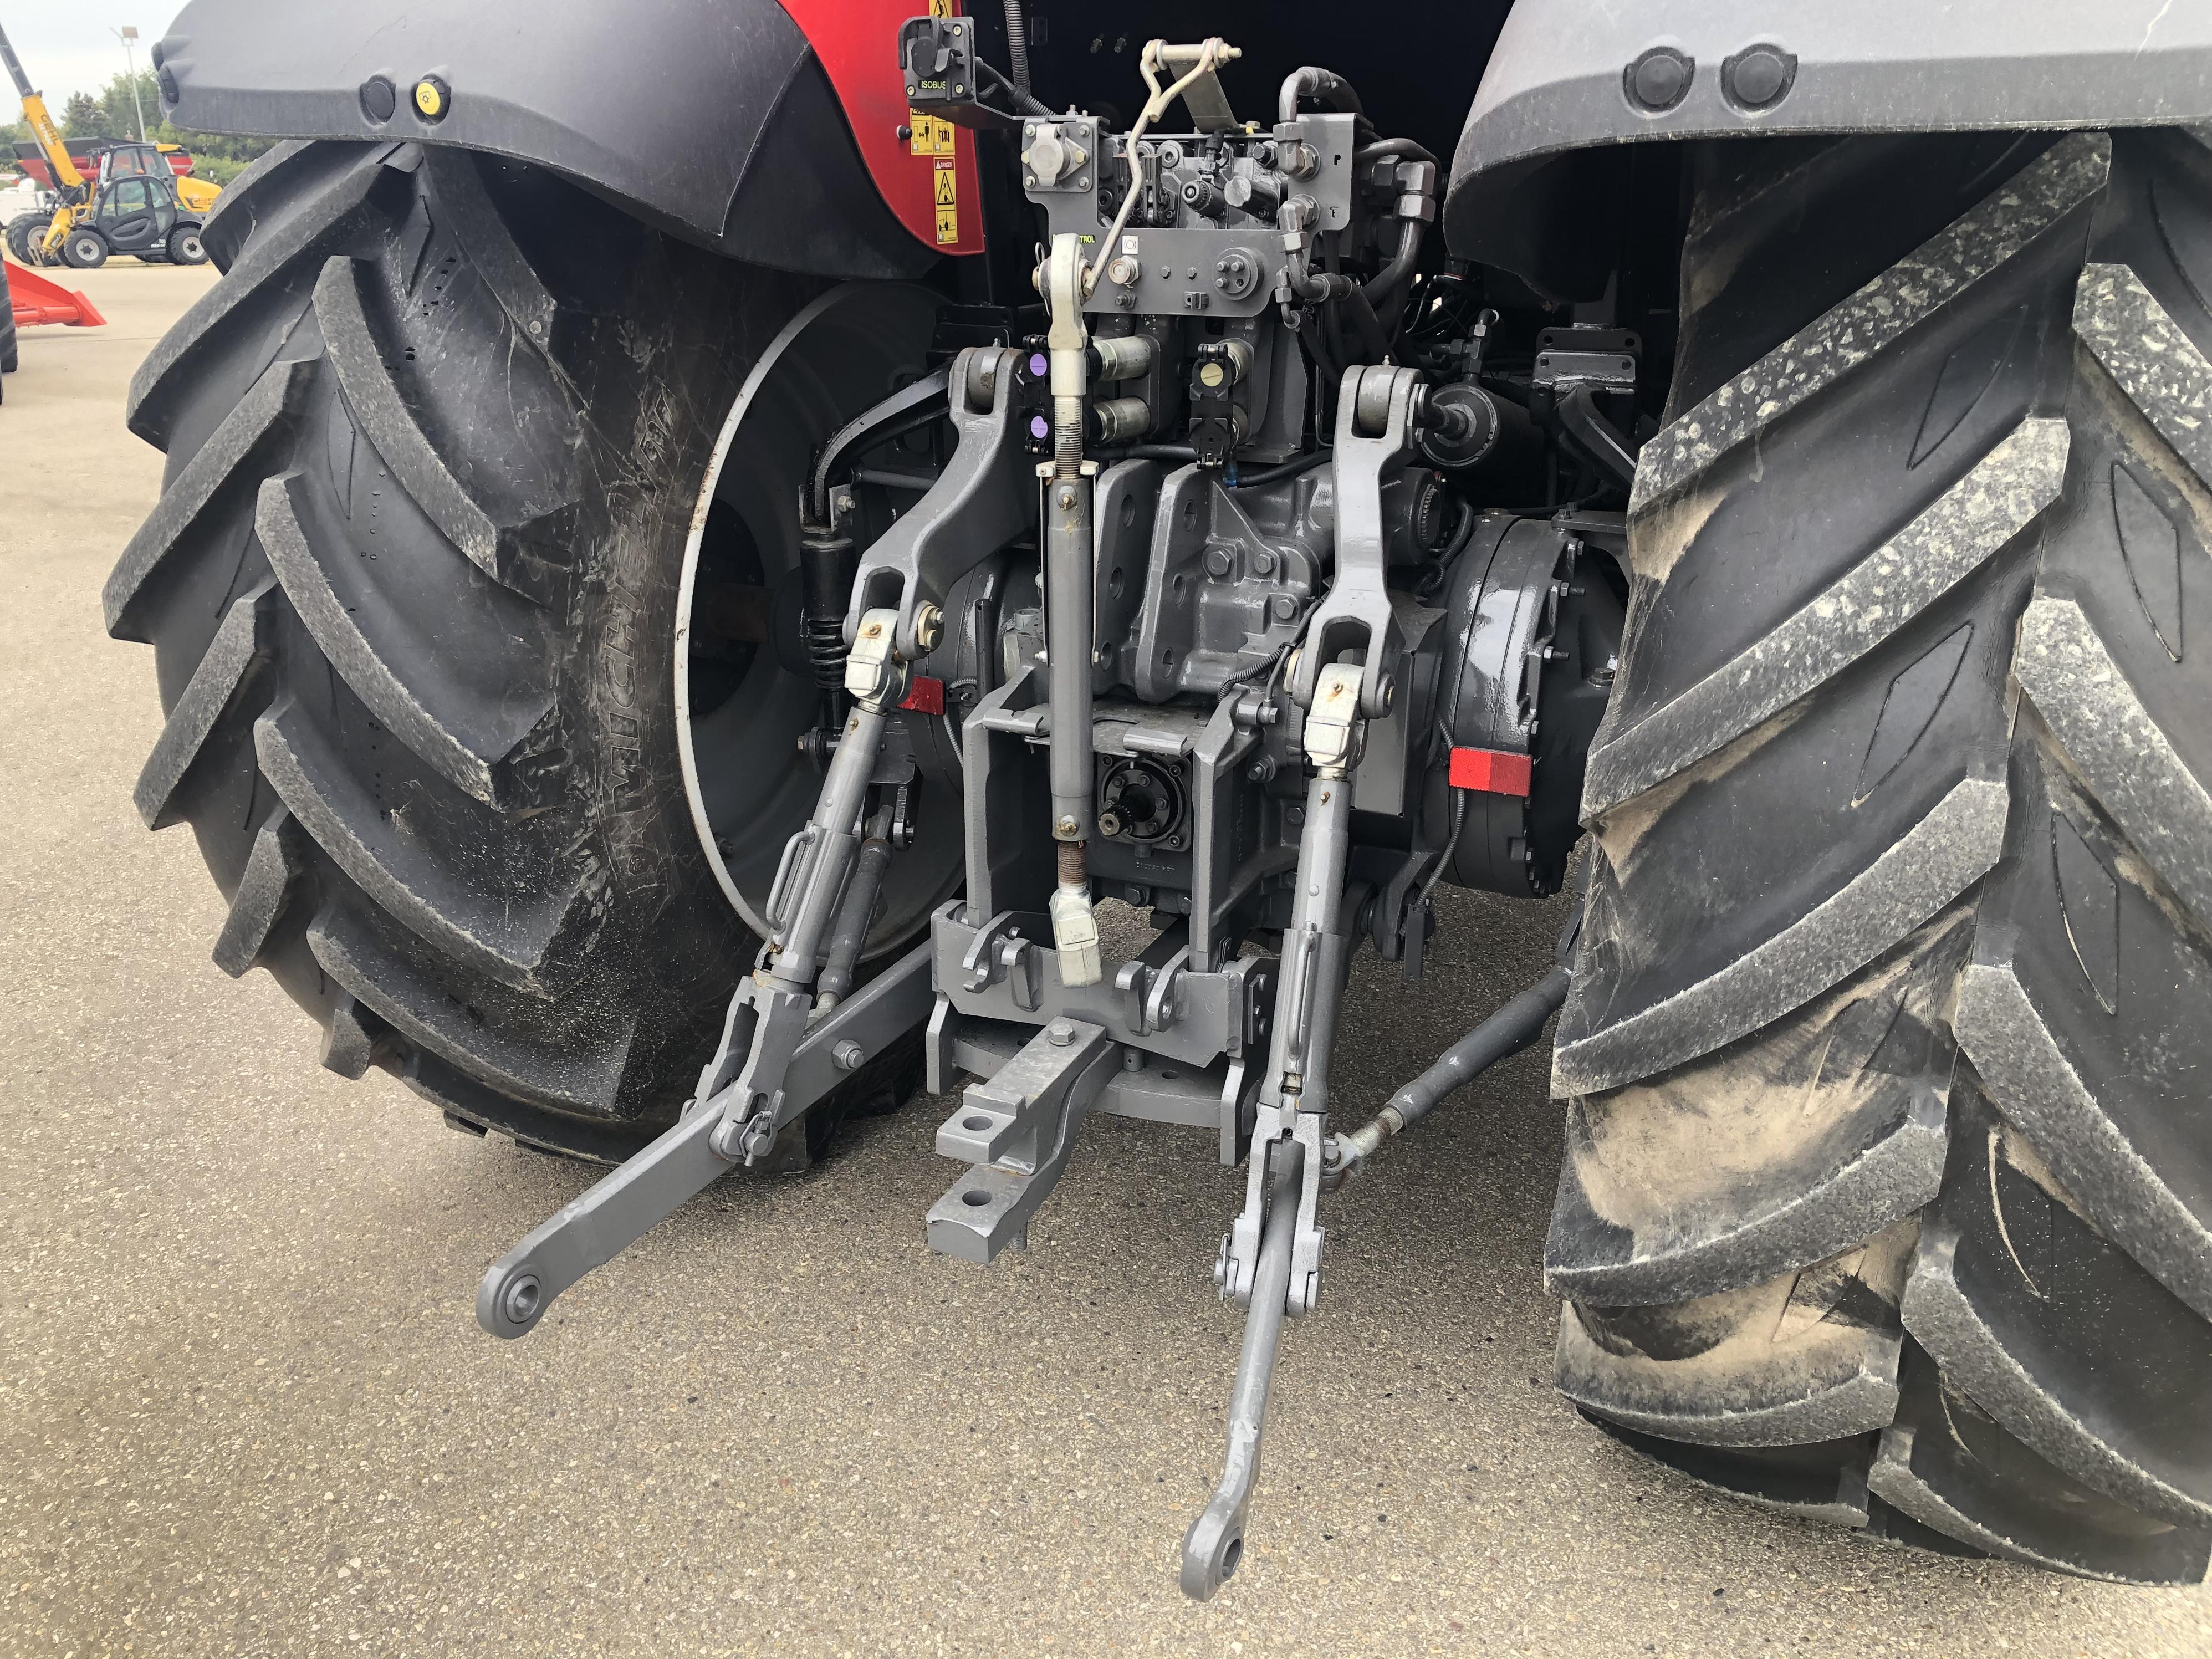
(245, 1407)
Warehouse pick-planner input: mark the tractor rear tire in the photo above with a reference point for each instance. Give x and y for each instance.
(9, 353)
(433, 447)
(1887, 1196)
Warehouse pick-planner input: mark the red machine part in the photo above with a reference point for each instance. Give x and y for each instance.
(86, 160)
(35, 299)
(1489, 771)
(925, 695)
(925, 167)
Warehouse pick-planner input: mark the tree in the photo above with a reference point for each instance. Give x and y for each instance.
(217, 157)
(83, 117)
(121, 114)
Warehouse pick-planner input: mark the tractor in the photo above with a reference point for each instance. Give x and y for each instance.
(728, 564)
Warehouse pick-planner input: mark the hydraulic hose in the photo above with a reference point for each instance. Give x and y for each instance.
(1387, 281)
(1405, 148)
(1323, 86)
(1504, 1034)
(1018, 46)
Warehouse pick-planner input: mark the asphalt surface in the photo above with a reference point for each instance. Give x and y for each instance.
(245, 1407)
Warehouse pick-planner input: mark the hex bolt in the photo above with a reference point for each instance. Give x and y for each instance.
(1218, 561)
(1060, 1033)
(849, 1055)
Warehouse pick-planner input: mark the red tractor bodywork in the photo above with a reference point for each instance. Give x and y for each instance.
(925, 169)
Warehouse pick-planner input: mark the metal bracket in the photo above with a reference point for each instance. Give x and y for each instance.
(1374, 430)
(1001, 954)
(1017, 1129)
(1008, 970)
(627, 1203)
(982, 500)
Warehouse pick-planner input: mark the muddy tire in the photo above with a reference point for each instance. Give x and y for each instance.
(1887, 1197)
(8, 351)
(433, 447)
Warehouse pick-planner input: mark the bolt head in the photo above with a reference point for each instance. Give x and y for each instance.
(849, 1055)
(1060, 1033)
(1659, 80)
(1758, 77)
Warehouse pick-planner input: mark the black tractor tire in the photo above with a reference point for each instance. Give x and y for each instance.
(433, 447)
(186, 247)
(9, 353)
(1888, 1195)
(84, 249)
(20, 233)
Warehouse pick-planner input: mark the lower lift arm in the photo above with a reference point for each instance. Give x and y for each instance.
(783, 1043)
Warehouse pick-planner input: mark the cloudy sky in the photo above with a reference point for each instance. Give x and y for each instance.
(67, 45)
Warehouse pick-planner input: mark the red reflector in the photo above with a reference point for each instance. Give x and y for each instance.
(1493, 771)
(926, 697)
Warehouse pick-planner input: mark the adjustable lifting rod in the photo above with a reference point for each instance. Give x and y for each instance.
(1068, 643)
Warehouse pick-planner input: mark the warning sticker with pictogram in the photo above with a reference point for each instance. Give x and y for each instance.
(931, 136)
(948, 204)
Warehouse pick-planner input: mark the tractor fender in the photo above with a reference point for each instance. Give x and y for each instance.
(1542, 165)
(723, 121)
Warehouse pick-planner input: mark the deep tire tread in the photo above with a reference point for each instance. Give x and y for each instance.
(2049, 1353)
(413, 622)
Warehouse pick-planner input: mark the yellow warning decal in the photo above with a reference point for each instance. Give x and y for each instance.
(931, 136)
(948, 203)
